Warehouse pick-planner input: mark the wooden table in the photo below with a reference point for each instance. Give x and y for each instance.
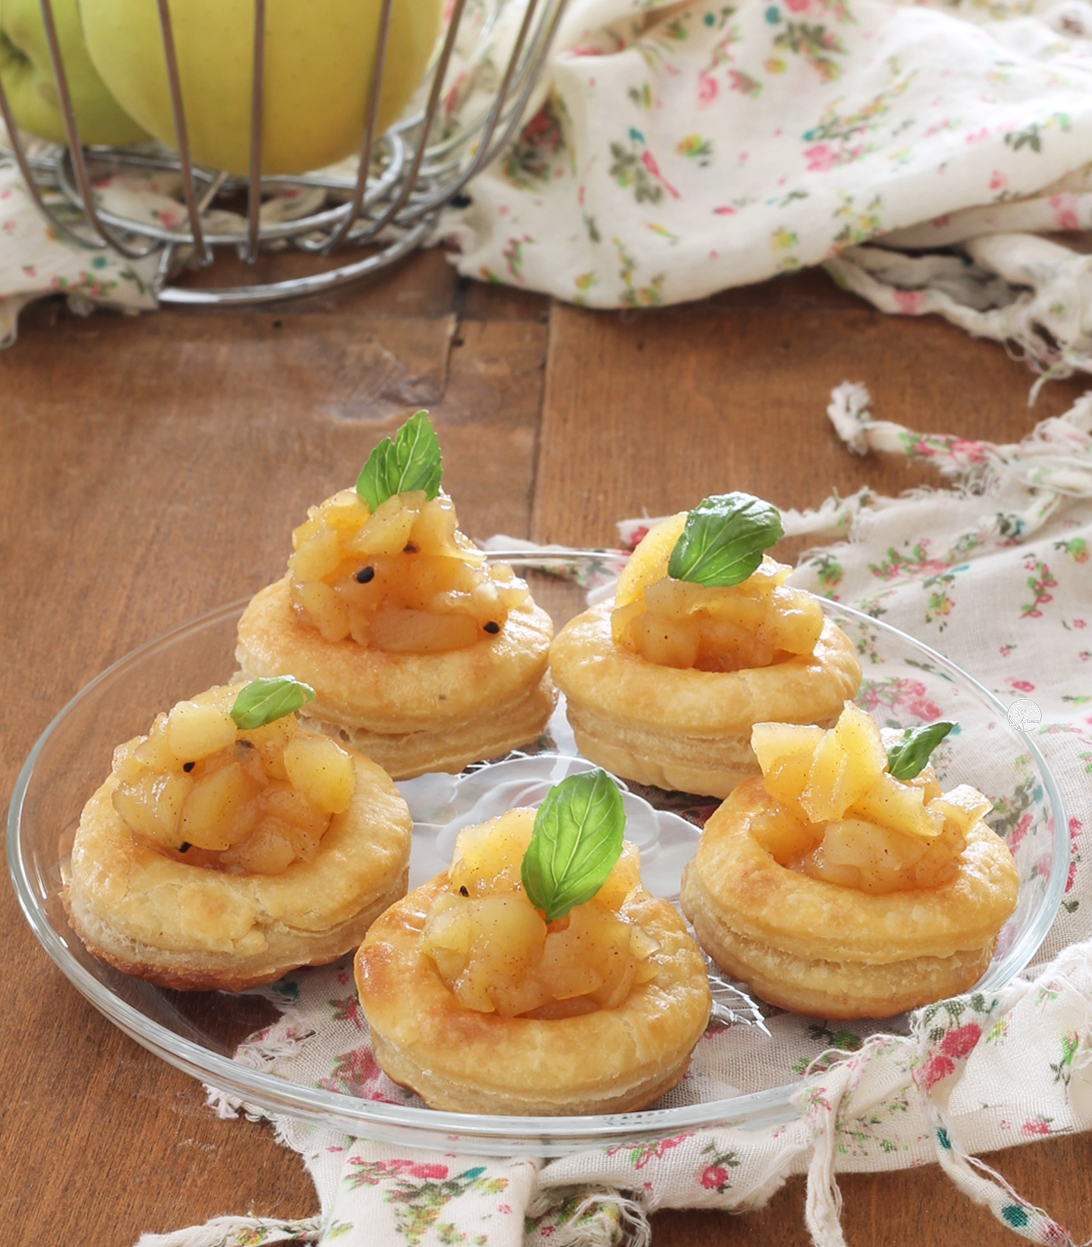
(152, 469)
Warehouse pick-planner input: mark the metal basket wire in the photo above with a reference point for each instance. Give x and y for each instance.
(389, 204)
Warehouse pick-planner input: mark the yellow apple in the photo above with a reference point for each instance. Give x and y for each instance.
(31, 89)
(318, 60)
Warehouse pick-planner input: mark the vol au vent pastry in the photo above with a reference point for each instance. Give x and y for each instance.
(511, 985)
(702, 639)
(229, 846)
(843, 882)
(421, 655)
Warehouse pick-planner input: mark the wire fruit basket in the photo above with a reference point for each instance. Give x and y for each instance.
(371, 209)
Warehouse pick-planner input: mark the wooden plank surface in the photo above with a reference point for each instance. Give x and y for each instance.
(151, 469)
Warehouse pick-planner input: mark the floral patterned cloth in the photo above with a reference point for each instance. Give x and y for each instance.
(683, 149)
(993, 572)
(674, 150)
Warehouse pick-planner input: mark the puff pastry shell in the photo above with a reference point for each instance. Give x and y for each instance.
(191, 928)
(688, 729)
(455, 1058)
(818, 948)
(411, 713)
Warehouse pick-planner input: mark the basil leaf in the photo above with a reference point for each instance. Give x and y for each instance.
(576, 841)
(909, 754)
(411, 461)
(723, 540)
(262, 701)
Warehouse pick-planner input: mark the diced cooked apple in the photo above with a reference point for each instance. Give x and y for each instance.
(859, 737)
(195, 730)
(317, 557)
(727, 646)
(821, 796)
(270, 740)
(677, 598)
(326, 609)
(817, 866)
(223, 799)
(680, 624)
(744, 609)
(388, 530)
(429, 576)
(448, 934)
(869, 830)
(889, 803)
(488, 857)
(436, 528)
(269, 849)
(667, 643)
(649, 561)
(378, 578)
(963, 806)
(623, 878)
(848, 760)
(215, 814)
(940, 861)
(509, 939)
(566, 968)
(401, 631)
(783, 836)
(591, 956)
(153, 751)
(621, 624)
(303, 533)
(785, 780)
(794, 620)
(784, 752)
(881, 860)
(641, 944)
(614, 957)
(125, 764)
(346, 511)
(496, 953)
(152, 803)
(321, 770)
(774, 741)
(875, 851)
(283, 802)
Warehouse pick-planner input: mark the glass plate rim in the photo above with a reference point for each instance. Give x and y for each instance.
(476, 1133)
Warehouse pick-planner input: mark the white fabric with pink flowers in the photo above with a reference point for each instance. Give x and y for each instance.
(921, 151)
(682, 149)
(993, 572)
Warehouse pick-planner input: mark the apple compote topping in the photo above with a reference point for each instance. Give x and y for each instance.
(840, 815)
(496, 952)
(245, 801)
(401, 578)
(679, 623)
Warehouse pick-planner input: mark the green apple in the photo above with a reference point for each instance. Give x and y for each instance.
(27, 75)
(318, 59)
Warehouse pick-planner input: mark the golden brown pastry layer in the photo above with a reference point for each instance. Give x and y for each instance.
(455, 1058)
(411, 713)
(688, 729)
(835, 952)
(192, 928)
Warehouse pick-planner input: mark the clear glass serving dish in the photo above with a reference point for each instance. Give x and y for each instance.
(744, 1076)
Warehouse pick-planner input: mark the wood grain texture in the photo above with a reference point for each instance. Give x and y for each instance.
(651, 412)
(152, 469)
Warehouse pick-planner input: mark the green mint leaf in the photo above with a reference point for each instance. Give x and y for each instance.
(576, 841)
(262, 701)
(909, 754)
(411, 461)
(723, 540)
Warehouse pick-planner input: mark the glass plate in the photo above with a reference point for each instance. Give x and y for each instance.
(905, 683)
